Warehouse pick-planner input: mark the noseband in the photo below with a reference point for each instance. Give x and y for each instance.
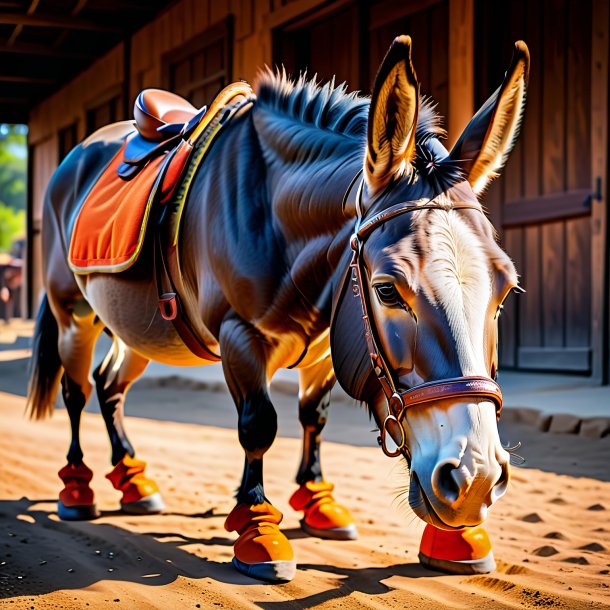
(399, 401)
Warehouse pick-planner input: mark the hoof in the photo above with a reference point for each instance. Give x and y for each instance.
(140, 494)
(349, 532)
(86, 512)
(324, 516)
(149, 505)
(466, 551)
(76, 501)
(261, 551)
(485, 565)
(269, 571)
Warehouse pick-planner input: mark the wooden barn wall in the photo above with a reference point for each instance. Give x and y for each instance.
(541, 203)
(105, 79)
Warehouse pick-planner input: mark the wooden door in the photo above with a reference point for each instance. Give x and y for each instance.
(350, 41)
(543, 203)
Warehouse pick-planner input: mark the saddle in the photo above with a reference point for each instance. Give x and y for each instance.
(148, 177)
(162, 120)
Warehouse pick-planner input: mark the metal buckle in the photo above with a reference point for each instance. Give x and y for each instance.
(168, 306)
(382, 438)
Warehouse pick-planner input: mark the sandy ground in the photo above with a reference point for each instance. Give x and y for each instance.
(551, 532)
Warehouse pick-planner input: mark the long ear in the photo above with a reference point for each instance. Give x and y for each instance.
(483, 148)
(392, 117)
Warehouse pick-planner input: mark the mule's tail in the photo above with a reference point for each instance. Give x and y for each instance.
(45, 364)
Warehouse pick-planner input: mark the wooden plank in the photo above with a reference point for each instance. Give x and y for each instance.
(509, 323)
(422, 49)
(600, 323)
(553, 103)
(530, 304)
(531, 135)
(461, 67)
(553, 283)
(547, 208)
(57, 21)
(439, 77)
(578, 96)
(388, 11)
(578, 282)
(575, 359)
(289, 12)
(512, 175)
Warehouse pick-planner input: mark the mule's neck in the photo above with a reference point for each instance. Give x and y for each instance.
(308, 172)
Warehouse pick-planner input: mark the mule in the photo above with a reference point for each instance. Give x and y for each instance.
(271, 280)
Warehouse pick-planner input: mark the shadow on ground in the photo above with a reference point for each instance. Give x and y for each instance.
(108, 552)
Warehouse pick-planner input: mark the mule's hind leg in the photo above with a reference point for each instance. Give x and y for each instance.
(79, 329)
(261, 551)
(113, 378)
(323, 515)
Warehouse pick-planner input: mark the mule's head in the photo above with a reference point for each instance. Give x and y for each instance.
(435, 280)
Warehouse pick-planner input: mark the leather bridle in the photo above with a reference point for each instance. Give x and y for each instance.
(399, 401)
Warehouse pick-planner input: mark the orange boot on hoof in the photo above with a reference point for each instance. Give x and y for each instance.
(261, 551)
(76, 498)
(464, 551)
(141, 495)
(324, 516)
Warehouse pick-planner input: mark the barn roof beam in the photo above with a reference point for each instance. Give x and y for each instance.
(22, 48)
(55, 21)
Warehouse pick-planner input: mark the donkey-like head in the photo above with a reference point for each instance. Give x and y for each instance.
(435, 280)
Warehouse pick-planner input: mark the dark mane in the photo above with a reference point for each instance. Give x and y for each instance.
(326, 107)
(331, 108)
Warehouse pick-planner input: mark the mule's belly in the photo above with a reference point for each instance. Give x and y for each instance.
(128, 306)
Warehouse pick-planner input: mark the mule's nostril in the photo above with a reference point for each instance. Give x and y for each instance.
(445, 482)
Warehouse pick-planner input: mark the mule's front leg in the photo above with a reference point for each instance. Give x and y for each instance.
(261, 551)
(119, 369)
(323, 516)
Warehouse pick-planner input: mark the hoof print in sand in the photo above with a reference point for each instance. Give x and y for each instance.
(581, 561)
(545, 551)
(555, 536)
(532, 518)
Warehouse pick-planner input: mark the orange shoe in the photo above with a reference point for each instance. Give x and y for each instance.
(141, 495)
(261, 551)
(465, 551)
(76, 501)
(324, 516)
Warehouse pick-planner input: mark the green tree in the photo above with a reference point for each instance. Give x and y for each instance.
(12, 226)
(13, 171)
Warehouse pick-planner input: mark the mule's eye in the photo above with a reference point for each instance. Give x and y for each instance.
(387, 294)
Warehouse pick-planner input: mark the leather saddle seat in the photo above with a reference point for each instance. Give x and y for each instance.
(162, 119)
(155, 109)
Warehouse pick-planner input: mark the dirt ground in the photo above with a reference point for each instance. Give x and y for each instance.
(551, 532)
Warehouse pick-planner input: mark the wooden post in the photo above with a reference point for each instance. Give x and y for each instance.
(600, 323)
(461, 67)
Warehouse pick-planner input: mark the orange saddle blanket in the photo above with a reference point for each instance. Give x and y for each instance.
(111, 225)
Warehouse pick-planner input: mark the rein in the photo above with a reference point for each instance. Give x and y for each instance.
(399, 401)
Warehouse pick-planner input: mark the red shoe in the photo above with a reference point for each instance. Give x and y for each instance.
(141, 495)
(324, 516)
(465, 551)
(262, 551)
(76, 501)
